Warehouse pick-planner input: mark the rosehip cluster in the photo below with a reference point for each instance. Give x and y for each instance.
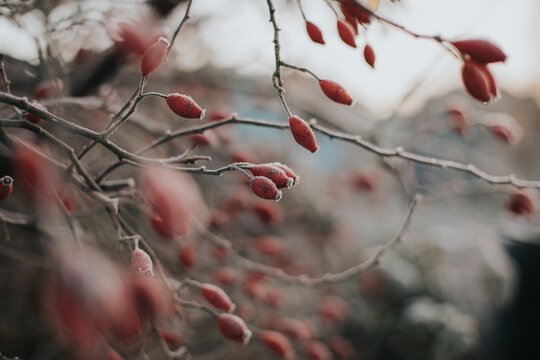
(269, 178)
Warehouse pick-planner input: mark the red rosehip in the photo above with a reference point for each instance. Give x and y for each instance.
(184, 106)
(501, 132)
(277, 343)
(520, 203)
(289, 172)
(33, 118)
(481, 51)
(186, 256)
(217, 297)
(267, 212)
(113, 355)
(369, 56)
(269, 245)
(302, 133)
(274, 173)
(335, 92)
(154, 56)
(233, 328)
(316, 350)
(348, 7)
(6, 186)
(314, 33)
(301, 329)
(477, 81)
(141, 262)
(225, 276)
(265, 188)
(172, 338)
(346, 33)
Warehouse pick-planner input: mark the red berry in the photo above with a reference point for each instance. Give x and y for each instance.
(333, 310)
(217, 297)
(481, 51)
(274, 173)
(457, 117)
(184, 106)
(277, 343)
(47, 89)
(502, 133)
(303, 134)
(369, 56)
(314, 33)
(154, 56)
(224, 276)
(141, 262)
(219, 113)
(6, 186)
(269, 245)
(289, 172)
(316, 350)
(301, 329)
(267, 212)
(520, 203)
(33, 118)
(233, 328)
(202, 140)
(172, 338)
(135, 38)
(476, 81)
(346, 33)
(186, 256)
(265, 188)
(335, 92)
(347, 6)
(113, 355)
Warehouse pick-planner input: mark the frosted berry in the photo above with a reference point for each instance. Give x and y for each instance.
(141, 262)
(233, 328)
(302, 133)
(274, 173)
(265, 188)
(184, 106)
(154, 56)
(217, 297)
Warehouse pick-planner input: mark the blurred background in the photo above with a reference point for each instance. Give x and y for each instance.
(462, 285)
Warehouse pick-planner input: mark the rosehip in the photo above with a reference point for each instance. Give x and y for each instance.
(6, 186)
(113, 355)
(316, 350)
(289, 172)
(154, 56)
(347, 6)
(265, 188)
(277, 343)
(33, 118)
(233, 328)
(335, 92)
(224, 276)
(502, 133)
(369, 56)
(302, 133)
(217, 297)
(314, 33)
(267, 212)
(186, 256)
(481, 51)
(346, 33)
(172, 338)
(269, 245)
(184, 106)
(520, 203)
(476, 81)
(274, 173)
(141, 262)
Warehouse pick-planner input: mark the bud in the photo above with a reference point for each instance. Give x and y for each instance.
(184, 106)
(302, 133)
(335, 92)
(314, 33)
(217, 297)
(233, 328)
(154, 56)
(265, 188)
